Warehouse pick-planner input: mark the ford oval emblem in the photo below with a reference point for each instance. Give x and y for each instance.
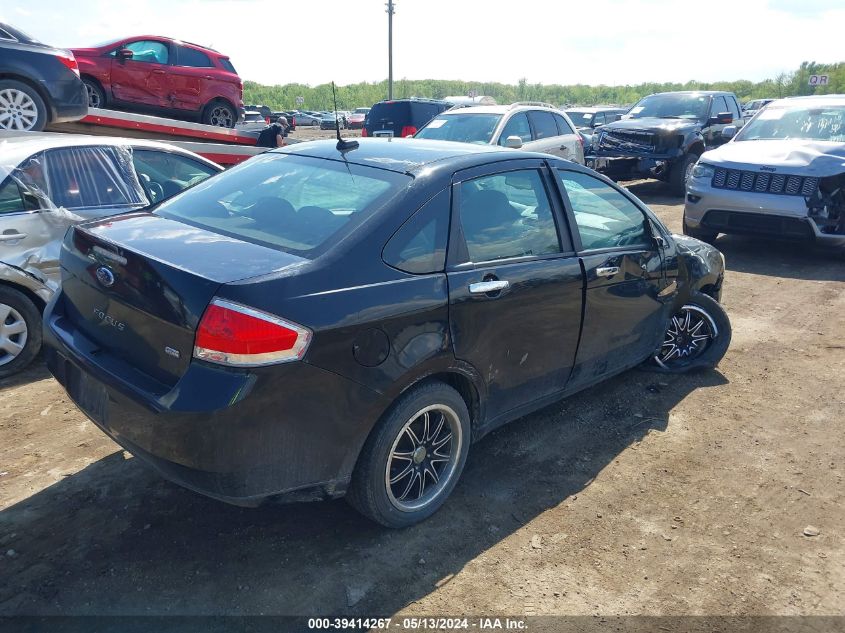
(105, 276)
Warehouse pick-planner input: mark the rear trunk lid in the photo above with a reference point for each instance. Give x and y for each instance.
(137, 285)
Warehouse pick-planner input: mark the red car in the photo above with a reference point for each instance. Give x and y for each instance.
(355, 120)
(164, 76)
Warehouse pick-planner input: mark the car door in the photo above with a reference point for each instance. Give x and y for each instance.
(516, 125)
(570, 139)
(25, 230)
(189, 79)
(713, 131)
(545, 136)
(628, 294)
(515, 284)
(141, 78)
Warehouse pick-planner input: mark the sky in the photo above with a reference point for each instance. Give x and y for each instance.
(545, 41)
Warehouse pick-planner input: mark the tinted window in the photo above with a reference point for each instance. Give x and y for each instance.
(4, 35)
(11, 200)
(581, 118)
(463, 128)
(292, 203)
(733, 107)
(419, 246)
(227, 64)
(605, 217)
(90, 177)
(194, 58)
(517, 125)
(507, 215)
(719, 105)
(148, 51)
(562, 126)
(164, 174)
(543, 123)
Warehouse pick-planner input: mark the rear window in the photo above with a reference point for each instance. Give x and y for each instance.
(292, 203)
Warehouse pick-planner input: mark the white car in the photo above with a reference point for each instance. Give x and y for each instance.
(782, 175)
(534, 127)
(49, 182)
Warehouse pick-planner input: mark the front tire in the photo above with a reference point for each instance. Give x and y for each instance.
(680, 173)
(21, 107)
(221, 114)
(413, 458)
(697, 336)
(20, 331)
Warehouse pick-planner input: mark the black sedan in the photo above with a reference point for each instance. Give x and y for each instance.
(39, 84)
(323, 321)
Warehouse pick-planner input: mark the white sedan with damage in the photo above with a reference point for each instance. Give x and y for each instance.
(782, 175)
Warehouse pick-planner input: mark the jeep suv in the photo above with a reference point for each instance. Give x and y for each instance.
(164, 76)
(663, 135)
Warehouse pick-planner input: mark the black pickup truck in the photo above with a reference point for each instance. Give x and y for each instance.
(663, 135)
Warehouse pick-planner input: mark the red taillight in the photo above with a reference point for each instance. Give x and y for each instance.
(233, 334)
(364, 131)
(267, 120)
(69, 61)
(408, 130)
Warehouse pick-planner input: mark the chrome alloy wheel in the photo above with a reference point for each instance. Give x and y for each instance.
(17, 110)
(221, 116)
(13, 334)
(690, 332)
(423, 458)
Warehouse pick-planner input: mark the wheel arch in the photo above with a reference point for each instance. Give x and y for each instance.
(93, 79)
(48, 102)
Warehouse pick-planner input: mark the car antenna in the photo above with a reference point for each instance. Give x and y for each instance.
(342, 144)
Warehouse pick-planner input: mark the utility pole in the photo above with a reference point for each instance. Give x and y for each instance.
(390, 10)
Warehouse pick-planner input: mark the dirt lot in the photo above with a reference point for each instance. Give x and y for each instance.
(645, 495)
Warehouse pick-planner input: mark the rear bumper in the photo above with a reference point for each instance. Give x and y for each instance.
(68, 100)
(751, 213)
(238, 436)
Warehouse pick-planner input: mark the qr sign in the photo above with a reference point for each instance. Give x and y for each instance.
(818, 80)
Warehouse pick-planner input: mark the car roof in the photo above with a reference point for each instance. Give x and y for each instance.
(593, 108)
(403, 155)
(15, 147)
(691, 92)
(821, 100)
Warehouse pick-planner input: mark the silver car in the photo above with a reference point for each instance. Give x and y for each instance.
(782, 175)
(534, 127)
(302, 118)
(51, 181)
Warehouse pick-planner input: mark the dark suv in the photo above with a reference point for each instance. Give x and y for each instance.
(401, 117)
(39, 84)
(663, 135)
(163, 75)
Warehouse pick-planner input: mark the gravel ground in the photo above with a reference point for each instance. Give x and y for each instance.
(649, 494)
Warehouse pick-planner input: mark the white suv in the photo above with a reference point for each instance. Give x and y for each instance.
(536, 127)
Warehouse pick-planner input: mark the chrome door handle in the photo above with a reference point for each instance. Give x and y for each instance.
(12, 237)
(607, 271)
(483, 287)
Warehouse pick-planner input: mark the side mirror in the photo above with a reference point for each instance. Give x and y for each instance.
(514, 142)
(723, 118)
(125, 53)
(729, 131)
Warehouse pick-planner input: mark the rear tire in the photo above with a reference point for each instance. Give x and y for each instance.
(20, 331)
(705, 235)
(220, 113)
(96, 96)
(413, 457)
(685, 347)
(21, 107)
(680, 173)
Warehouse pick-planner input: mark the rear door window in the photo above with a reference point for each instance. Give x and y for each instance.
(543, 123)
(562, 126)
(292, 203)
(91, 177)
(193, 58)
(507, 215)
